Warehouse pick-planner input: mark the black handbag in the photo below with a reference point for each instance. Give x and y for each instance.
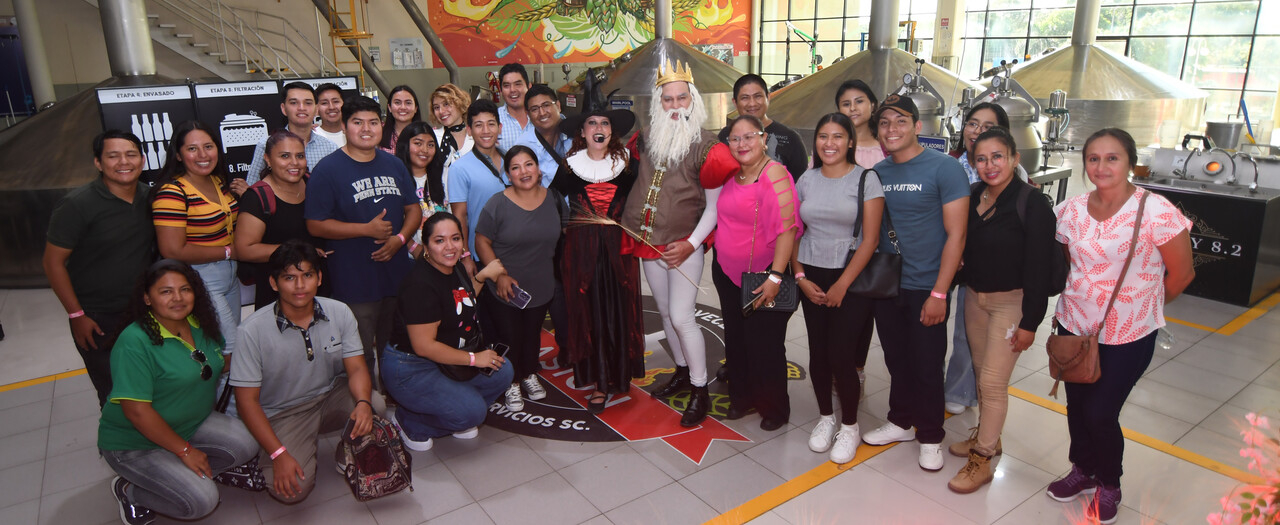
(788, 298)
(882, 276)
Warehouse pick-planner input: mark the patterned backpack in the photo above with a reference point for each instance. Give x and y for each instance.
(377, 464)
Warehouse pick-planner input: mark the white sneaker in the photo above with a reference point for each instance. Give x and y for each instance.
(888, 433)
(469, 433)
(420, 446)
(515, 403)
(931, 456)
(846, 446)
(823, 432)
(533, 387)
(954, 409)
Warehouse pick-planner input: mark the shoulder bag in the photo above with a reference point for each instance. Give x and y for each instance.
(788, 298)
(1074, 358)
(882, 276)
(375, 464)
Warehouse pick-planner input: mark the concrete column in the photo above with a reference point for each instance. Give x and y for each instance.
(124, 26)
(946, 38)
(33, 52)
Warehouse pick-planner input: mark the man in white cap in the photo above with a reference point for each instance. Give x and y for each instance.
(673, 214)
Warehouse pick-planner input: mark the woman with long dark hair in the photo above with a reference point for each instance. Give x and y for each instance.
(436, 366)
(158, 430)
(418, 150)
(855, 100)
(841, 205)
(271, 210)
(521, 225)
(605, 347)
(195, 213)
(402, 109)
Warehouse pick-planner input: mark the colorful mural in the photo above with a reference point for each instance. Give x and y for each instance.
(488, 32)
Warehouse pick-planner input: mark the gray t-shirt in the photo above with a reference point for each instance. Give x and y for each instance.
(276, 360)
(828, 208)
(525, 241)
(914, 193)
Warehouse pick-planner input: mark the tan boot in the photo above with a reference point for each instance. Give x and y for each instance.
(961, 449)
(976, 473)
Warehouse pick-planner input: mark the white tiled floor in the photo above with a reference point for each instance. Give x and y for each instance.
(1194, 395)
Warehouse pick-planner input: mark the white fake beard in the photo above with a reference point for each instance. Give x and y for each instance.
(669, 139)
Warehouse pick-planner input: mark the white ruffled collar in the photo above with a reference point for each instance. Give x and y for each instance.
(594, 171)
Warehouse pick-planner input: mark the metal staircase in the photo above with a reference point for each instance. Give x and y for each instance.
(235, 43)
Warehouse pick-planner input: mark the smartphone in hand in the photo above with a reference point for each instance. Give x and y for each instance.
(502, 350)
(519, 298)
(750, 307)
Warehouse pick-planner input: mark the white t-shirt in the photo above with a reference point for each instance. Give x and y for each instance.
(339, 138)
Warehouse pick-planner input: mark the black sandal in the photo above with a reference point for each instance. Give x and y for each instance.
(596, 402)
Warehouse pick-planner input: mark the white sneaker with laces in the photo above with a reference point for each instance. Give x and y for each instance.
(469, 433)
(889, 433)
(533, 387)
(931, 456)
(846, 445)
(420, 446)
(823, 432)
(515, 403)
(954, 409)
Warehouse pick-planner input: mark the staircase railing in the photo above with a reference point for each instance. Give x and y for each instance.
(260, 41)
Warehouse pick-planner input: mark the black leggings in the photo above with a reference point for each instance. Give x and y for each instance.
(757, 349)
(837, 337)
(519, 329)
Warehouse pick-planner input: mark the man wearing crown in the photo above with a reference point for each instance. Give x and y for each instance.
(672, 207)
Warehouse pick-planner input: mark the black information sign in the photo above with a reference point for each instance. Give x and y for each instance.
(1235, 243)
(149, 112)
(243, 114)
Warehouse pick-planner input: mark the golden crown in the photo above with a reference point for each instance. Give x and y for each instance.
(667, 73)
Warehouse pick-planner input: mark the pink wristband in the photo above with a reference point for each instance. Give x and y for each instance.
(75, 314)
(277, 453)
(401, 237)
(466, 254)
(799, 276)
(227, 249)
(473, 358)
(937, 295)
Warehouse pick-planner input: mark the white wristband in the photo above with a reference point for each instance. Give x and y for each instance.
(775, 279)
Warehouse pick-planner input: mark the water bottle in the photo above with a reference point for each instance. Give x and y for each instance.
(1164, 339)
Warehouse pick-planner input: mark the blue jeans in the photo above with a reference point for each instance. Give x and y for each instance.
(960, 386)
(431, 404)
(224, 290)
(1093, 409)
(163, 483)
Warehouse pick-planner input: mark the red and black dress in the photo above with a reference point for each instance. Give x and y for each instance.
(602, 285)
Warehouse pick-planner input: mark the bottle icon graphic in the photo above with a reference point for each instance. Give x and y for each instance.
(153, 162)
(135, 127)
(157, 132)
(167, 127)
(146, 134)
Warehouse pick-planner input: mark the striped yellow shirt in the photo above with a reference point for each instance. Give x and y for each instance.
(178, 204)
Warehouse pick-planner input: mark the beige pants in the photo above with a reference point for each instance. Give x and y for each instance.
(299, 428)
(990, 320)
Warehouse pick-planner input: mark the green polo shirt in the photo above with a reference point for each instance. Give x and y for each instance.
(110, 241)
(165, 376)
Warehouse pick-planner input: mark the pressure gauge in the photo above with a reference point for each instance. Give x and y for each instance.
(907, 78)
(996, 81)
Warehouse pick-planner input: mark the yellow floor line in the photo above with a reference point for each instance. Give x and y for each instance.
(38, 380)
(1197, 326)
(1251, 314)
(1138, 437)
(783, 493)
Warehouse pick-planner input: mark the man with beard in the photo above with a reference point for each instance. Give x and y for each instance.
(673, 215)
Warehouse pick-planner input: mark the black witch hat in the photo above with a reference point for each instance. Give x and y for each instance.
(620, 120)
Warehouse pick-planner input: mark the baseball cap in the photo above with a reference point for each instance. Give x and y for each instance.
(900, 104)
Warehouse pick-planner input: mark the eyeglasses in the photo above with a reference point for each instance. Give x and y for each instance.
(545, 106)
(980, 126)
(743, 139)
(205, 370)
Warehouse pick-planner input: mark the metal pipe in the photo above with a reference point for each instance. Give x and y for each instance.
(883, 25)
(124, 26)
(370, 68)
(753, 46)
(1085, 31)
(433, 40)
(33, 51)
(662, 19)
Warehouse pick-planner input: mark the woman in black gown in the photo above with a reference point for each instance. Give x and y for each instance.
(602, 286)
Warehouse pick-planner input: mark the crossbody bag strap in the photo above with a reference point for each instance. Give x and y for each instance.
(488, 163)
(862, 189)
(1133, 244)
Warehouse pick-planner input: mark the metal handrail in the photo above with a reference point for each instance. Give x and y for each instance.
(251, 46)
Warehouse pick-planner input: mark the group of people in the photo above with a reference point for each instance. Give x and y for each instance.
(410, 264)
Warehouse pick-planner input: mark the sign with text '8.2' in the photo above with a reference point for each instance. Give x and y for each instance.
(150, 112)
(242, 114)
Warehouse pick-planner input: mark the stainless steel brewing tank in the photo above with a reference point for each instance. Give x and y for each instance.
(930, 109)
(633, 76)
(1022, 127)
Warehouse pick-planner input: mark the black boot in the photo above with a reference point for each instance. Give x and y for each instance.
(679, 383)
(699, 402)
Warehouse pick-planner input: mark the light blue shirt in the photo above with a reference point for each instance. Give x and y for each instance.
(546, 163)
(511, 129)
(471, 182)
(317, 148)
